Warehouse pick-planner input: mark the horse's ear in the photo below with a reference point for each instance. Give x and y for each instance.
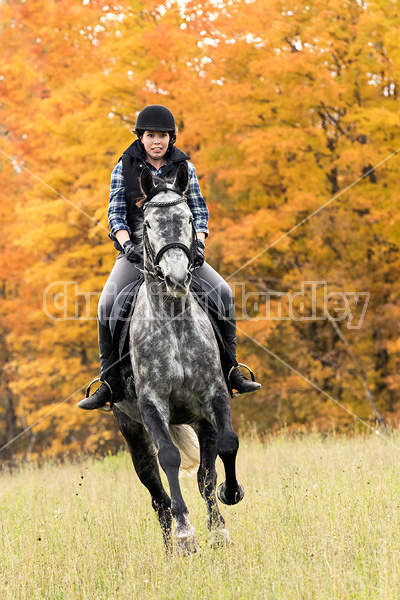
(182, 178)
(146, 181)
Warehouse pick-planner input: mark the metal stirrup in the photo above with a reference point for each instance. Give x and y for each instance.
(253, 377)
(104, 408)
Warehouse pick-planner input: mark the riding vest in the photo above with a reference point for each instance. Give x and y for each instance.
(133, 163)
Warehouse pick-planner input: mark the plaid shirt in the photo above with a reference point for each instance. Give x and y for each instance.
(117, 205)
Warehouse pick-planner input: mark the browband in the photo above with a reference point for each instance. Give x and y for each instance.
(162, 187)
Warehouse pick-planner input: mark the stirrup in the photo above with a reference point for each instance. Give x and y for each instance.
(106, 407)
(253, 377)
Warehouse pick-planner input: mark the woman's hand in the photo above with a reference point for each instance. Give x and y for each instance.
(132, 252)
(198, 253)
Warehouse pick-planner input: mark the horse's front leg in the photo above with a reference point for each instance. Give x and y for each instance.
(230, 491)
(147, 469)
(155, 418)
(207, 481)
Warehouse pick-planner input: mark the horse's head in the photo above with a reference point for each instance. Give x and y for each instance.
(168, 230)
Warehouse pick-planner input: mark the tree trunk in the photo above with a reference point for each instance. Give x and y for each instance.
(361, 372)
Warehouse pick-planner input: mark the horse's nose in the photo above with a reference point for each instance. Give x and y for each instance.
(177, 287)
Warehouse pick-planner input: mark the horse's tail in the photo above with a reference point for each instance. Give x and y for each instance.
(184, 437)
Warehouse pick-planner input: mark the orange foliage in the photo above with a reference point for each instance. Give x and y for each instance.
(280, 110)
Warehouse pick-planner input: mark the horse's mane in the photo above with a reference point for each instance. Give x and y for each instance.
(157, 180)
(137, 232)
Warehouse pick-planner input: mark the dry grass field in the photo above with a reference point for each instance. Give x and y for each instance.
(320, 519)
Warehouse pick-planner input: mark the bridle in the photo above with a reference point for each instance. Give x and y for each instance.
(155, 258)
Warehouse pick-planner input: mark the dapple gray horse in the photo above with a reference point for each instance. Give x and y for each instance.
(177, 372)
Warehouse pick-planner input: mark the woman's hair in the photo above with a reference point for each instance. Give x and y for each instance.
(172, 136)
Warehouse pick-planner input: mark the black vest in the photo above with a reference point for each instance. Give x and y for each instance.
(133, 163)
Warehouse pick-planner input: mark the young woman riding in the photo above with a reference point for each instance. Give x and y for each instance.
(155, 148)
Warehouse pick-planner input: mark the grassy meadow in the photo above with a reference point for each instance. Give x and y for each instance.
(320, 519)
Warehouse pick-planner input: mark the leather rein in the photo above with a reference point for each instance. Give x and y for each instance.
(155, 258)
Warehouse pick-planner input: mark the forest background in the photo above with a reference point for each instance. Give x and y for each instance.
(284, 108)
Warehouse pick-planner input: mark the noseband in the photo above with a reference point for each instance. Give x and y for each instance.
(155, 259)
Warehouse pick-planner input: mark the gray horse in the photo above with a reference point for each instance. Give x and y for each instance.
(180, 387)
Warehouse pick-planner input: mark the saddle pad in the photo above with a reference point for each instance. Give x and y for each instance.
(122, 310)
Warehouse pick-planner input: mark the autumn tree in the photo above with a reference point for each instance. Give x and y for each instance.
(284, 111)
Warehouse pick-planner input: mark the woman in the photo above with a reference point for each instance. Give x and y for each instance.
(154, 148)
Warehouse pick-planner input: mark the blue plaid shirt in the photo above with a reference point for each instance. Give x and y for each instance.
(117, 205)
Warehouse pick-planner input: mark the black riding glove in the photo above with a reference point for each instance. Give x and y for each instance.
(132, 252)
(198, 253)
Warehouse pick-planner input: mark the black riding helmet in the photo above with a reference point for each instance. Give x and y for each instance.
(156, 118)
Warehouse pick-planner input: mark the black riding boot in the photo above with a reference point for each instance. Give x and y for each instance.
(111, 374)
(237, 380)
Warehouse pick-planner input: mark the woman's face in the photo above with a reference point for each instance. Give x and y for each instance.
(155, 143)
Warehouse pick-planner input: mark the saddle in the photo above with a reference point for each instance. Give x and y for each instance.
(121, 315)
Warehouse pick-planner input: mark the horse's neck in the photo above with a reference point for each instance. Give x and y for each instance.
(163, 305)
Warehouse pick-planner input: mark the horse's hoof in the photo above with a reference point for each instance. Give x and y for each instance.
(187, 545)
(224, 499)
(219, 538)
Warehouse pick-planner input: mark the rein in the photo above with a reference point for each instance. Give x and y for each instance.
(155, 259)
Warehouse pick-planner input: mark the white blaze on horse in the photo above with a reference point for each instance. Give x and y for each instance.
(180, 386)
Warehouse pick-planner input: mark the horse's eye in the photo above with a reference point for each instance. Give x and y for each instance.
(190, 219)
(147, 224)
